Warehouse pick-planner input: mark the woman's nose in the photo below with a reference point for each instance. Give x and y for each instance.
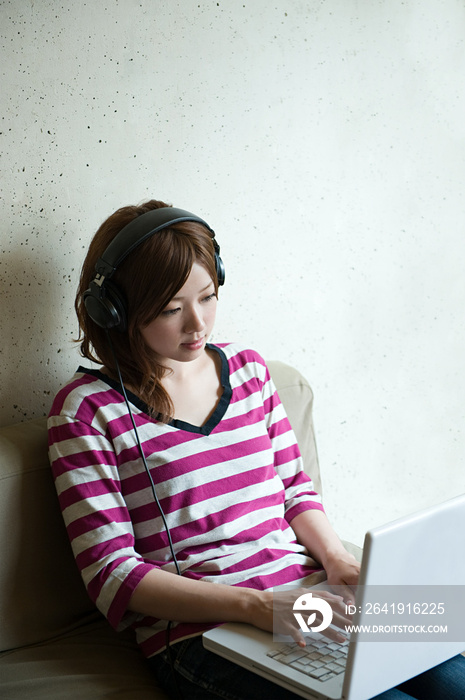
(195, 322)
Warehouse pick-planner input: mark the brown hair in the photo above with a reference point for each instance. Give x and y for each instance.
(149, 278)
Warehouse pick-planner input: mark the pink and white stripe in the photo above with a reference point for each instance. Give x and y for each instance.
(228, 490)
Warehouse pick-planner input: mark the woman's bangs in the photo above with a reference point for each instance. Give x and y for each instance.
(160, 275)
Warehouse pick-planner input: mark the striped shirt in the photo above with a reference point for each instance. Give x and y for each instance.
(228, 489)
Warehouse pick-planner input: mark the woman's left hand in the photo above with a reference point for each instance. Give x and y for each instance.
(314, 531)
(342, 571)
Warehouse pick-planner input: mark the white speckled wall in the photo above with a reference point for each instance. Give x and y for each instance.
(325, 143)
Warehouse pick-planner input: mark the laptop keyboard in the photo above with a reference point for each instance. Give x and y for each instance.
(321, 659)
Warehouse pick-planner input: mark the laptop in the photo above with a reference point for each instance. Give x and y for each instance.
(414, 568)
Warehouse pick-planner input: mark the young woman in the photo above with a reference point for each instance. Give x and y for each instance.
(178, 474)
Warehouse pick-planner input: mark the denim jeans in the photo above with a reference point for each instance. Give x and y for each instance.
(202, 675)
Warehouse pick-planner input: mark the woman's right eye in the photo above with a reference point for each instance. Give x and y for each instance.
(169, 312)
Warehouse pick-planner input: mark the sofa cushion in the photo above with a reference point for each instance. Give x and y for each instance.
(93, 663)
(41, 593)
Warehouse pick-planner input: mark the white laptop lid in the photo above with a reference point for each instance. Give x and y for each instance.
(421, 557)
(415, 550)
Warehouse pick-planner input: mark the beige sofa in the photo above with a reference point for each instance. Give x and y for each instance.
(52, 642)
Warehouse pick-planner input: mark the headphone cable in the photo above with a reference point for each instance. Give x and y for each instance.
(160, 509)
(141, 452)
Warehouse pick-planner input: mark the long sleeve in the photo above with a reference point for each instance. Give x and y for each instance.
(99, 526)
(299, 489)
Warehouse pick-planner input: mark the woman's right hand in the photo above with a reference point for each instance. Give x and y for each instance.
(274, 612)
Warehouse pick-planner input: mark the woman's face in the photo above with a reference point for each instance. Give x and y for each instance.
(181, 330)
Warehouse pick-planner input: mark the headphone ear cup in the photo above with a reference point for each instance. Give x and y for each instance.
(219, 264)
(106, 306)
(220, 270)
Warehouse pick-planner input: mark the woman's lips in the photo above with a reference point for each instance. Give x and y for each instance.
(194, 345)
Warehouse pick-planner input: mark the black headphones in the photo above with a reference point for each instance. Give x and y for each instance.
(104, 302)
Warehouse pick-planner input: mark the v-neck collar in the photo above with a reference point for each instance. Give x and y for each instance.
(204, 429)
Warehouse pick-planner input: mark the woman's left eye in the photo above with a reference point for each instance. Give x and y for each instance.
(209, 297)
(172, 312)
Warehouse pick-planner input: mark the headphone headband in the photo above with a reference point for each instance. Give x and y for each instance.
(104, 302)
(137, 231)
